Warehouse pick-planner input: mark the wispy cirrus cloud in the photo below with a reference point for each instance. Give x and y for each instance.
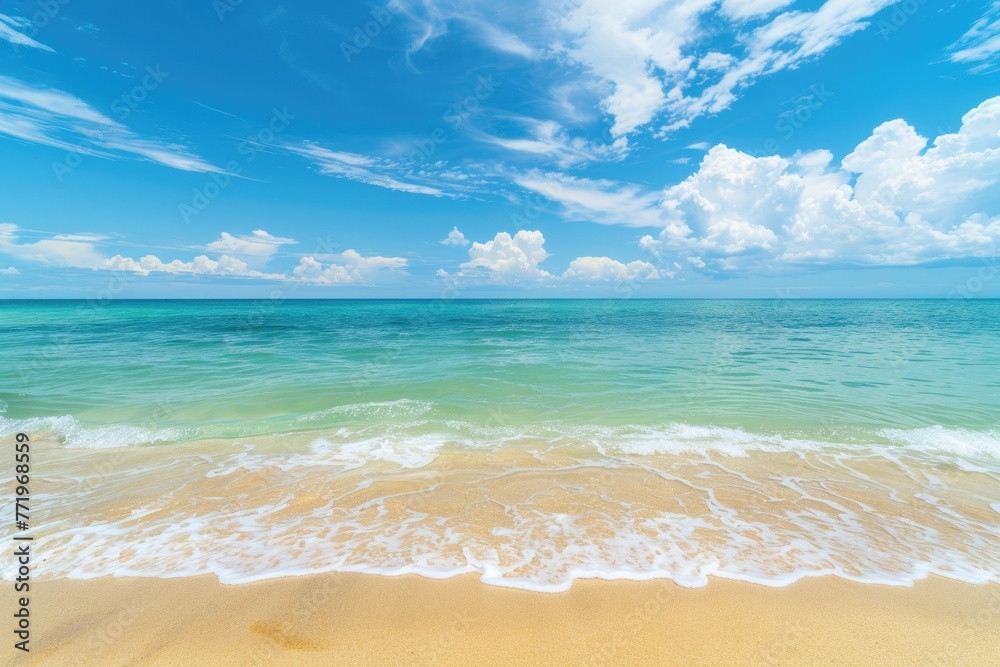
(55, 118)
(378, 171)
(417, 177)
(430, 20)
(10, 30)
(549, 139)
(595, 200)
(980, 46)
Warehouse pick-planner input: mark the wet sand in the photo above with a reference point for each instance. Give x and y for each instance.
(358, 619)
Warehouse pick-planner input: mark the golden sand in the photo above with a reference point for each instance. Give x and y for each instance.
(355, 619)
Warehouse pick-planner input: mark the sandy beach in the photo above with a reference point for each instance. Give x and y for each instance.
(356, 619)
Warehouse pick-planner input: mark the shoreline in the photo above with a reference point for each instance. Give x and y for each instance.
(364, 619)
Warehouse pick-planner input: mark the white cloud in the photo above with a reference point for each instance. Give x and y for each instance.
(890, 202)
(627, 45)
(353, 268)
(381, 172)
(649, 60)
(257, 249)
(430, 20)
(715, 61)
(549, 139)
(90, 238)
(607, 269)
(502, 40)
(783, 42)
(199, 266)
(54, 118)
(602, 201)
(9, 271)
(507, 259)
(9, 26)
(72, 250)
(645, 51)
(455, 238)
(745, 9)
(79, 251)
(980, 46)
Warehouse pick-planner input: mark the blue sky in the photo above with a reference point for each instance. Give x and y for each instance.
(429, 148)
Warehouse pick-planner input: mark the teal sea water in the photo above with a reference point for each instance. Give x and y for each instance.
(839, 369)
(681, 402)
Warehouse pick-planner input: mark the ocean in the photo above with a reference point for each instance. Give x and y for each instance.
(533, 442)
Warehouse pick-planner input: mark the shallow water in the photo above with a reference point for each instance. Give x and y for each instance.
(533, 442)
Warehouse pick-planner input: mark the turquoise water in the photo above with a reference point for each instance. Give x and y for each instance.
(230, 368)
(531, 442)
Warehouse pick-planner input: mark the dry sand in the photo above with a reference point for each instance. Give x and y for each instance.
(356, 619)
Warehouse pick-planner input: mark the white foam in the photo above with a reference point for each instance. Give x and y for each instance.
(347, 453)
(686, 438)
(71, 433)
(411, 452)
(938, 439)
(384, 410)
(814, 533)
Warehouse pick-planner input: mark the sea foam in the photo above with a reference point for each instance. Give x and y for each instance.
(534, 511)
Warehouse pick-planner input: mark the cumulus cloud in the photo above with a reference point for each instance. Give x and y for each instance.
(455, 238)
(256, 248)
(891, 201)
(199, 266)
(514, 259)
(9, 271)
(352, 268)
(506, 258)
(607, 269)
(253, 250)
